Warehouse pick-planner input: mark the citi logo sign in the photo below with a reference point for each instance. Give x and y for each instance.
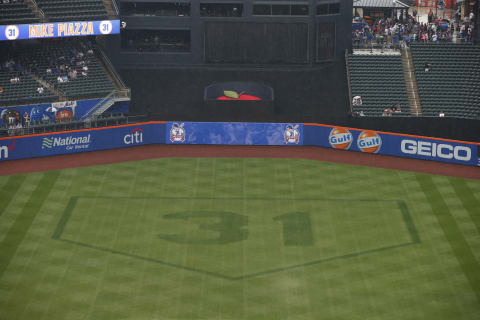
(436, 150)
(135, 136)
(4, 150)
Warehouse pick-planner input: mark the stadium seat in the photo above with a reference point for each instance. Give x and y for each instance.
(16, 13)
(379, 80)
(73, 10)
(452, 83)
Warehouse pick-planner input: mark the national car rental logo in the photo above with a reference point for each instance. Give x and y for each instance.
(47, 143)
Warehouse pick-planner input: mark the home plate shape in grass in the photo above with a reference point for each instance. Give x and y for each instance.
(236, 238)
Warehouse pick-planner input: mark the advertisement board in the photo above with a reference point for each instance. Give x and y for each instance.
(59, 29)
(391, 144)
(237, 133)
(63, 111)
(80, 141)
(234, 133)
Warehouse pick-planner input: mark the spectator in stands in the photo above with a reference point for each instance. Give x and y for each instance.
(398, 109)
(40, 90)
(441, 114)
(26, 118)
(427, 66)
(49, 71)
(1, 90)
(361, 114)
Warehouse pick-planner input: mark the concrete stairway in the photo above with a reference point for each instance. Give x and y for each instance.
(110, 8)
(411, 83)
(36, 10)
(108, 68)
(45, 84)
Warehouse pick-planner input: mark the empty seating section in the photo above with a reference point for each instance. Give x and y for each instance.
(379, 80)
(73, 10)
(452, 84)
(16, 13)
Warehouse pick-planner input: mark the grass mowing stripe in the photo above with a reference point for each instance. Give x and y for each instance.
(469, 202)
(19, 229)
(9, 190)
(65, 216)
(457, 241)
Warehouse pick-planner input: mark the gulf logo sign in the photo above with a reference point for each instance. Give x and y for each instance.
(340, 138)
(369, 141)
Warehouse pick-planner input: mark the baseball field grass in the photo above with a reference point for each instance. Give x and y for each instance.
(229, 238)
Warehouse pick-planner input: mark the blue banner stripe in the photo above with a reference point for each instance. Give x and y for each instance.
(59, 29)
(237, 133)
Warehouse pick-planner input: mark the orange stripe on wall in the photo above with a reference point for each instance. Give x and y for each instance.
(83, 130)
(391, 133)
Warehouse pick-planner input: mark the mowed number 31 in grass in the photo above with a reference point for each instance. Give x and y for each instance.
(232, 227)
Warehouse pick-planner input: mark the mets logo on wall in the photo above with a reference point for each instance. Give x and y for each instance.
(340, 138)
(177, 133)
(291, 134)
(369, 141)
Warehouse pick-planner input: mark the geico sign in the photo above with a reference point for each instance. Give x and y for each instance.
(440, 150)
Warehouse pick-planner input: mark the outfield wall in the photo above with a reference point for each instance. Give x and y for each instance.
(238, 133)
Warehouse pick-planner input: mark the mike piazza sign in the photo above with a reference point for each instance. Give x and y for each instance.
(59, 30)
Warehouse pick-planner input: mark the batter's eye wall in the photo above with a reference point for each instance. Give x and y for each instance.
(305, 37)
(257, 43)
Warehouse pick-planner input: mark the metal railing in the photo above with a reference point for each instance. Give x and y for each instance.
(98, 105)
(40, 11)
(348, 82)
(115, 7)
(111, 69)
(105, 120)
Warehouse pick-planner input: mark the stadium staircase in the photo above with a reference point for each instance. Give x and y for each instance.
(32, 4)
(111, 8)
(120, 93)
(50, 87)
(452, 85)
(379, 80)
(411, 83)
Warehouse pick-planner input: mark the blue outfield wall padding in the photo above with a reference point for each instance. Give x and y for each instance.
(392, 144)
(234, 133)
(237, 133)
(81, 141)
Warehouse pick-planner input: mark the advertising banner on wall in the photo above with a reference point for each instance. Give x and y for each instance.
(80, 141)
(398, 145)
(59, 29)
(234, 133)
(63, 111)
